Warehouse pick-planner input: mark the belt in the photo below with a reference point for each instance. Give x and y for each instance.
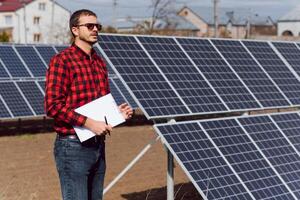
(67, 136)
(97, 138)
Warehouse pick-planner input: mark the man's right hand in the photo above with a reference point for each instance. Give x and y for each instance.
(97, 127)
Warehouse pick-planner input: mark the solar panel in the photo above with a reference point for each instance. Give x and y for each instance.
(12, 62)
(34, 95)
(32, 60)
(276, 149)
(47, 52)
(125, 92)
(275, 67)
(14, 99)
(251, 73)
(3, 73)
(228, 85)
(156, 96)
(246, 160)
(109, 69)
(290, 126)
(60, 48)
(201, 160)
(42, 84)
(291, 54)
(182, 74)
(116, 93)
(4, 113)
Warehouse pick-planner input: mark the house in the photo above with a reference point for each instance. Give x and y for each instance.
(34, 21)
(289, 24)
(231, 23)
(174, 25)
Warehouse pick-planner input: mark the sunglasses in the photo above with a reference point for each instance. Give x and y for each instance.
(90, 26)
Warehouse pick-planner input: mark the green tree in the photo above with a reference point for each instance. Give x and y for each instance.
(4, 37)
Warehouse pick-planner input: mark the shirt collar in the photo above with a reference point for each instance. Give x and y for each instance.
(80, 51)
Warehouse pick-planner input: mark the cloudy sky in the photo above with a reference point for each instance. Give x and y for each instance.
(138, 8)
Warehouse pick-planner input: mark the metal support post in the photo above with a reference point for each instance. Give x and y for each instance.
(170, 177)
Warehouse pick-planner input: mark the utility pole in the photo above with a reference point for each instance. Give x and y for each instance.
(216, 20)
(115, 14)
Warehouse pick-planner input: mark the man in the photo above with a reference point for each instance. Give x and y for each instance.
(77, 76)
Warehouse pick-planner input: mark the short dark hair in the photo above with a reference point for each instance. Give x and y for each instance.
(74, 19)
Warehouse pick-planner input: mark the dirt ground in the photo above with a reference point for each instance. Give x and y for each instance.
(27, 169)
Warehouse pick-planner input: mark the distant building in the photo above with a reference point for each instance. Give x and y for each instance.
(175, 25)
(289, 24)
(34, 21)
(232, 23)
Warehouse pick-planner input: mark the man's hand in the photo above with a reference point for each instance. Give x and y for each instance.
(126, 110)
(98, 127)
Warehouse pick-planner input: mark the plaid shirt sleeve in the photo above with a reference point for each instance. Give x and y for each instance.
(57, 83)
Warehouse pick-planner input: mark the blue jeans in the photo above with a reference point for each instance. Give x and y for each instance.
(81, 168)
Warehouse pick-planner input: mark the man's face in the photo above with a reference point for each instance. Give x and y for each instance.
(83, 32)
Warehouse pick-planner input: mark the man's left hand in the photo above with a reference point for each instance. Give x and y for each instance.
(126, 110)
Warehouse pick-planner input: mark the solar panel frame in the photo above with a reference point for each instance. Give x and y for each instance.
(180, 41)
(237, 120)
(277, 149)
(212, 151)
(16, 68)
(36, 100)
(289, 52)
(209, 101)
(4, 108)
(117, 95)
(13, 95)
(37, 66)
(273, 65)
(289, 124)
(247, 60)
(125, 92)
(141, 51)
(43, 52)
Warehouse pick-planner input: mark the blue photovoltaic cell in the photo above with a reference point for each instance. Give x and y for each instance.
(125, 92)
(115, 93)
(202, 161)
(275, 67)
(290, 126)
(145, 81)
(60, 48)
(12, 62)
(32, 60)
(182, 74)
(109, 69)
(47, 52)
(14, 100)
(33, 95)
(42, 84)
(246, 160)
(251, 73)
(3, 111)
(3, 73)
(291, 54)
(219, 74)
(276, 149)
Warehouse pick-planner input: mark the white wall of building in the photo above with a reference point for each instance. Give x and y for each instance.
(293, 27)
(46, 22)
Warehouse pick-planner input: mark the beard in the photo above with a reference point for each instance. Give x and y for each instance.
(89, 38)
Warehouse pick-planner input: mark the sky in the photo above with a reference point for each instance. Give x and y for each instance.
(137, 8)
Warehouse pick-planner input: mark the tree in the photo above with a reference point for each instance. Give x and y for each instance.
(4, 37)
(162, 9)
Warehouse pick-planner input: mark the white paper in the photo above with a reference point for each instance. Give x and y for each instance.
(98, 109)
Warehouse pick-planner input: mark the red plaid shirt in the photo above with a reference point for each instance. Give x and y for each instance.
(73, 79)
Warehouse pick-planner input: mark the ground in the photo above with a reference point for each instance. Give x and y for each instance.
(27, 169)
